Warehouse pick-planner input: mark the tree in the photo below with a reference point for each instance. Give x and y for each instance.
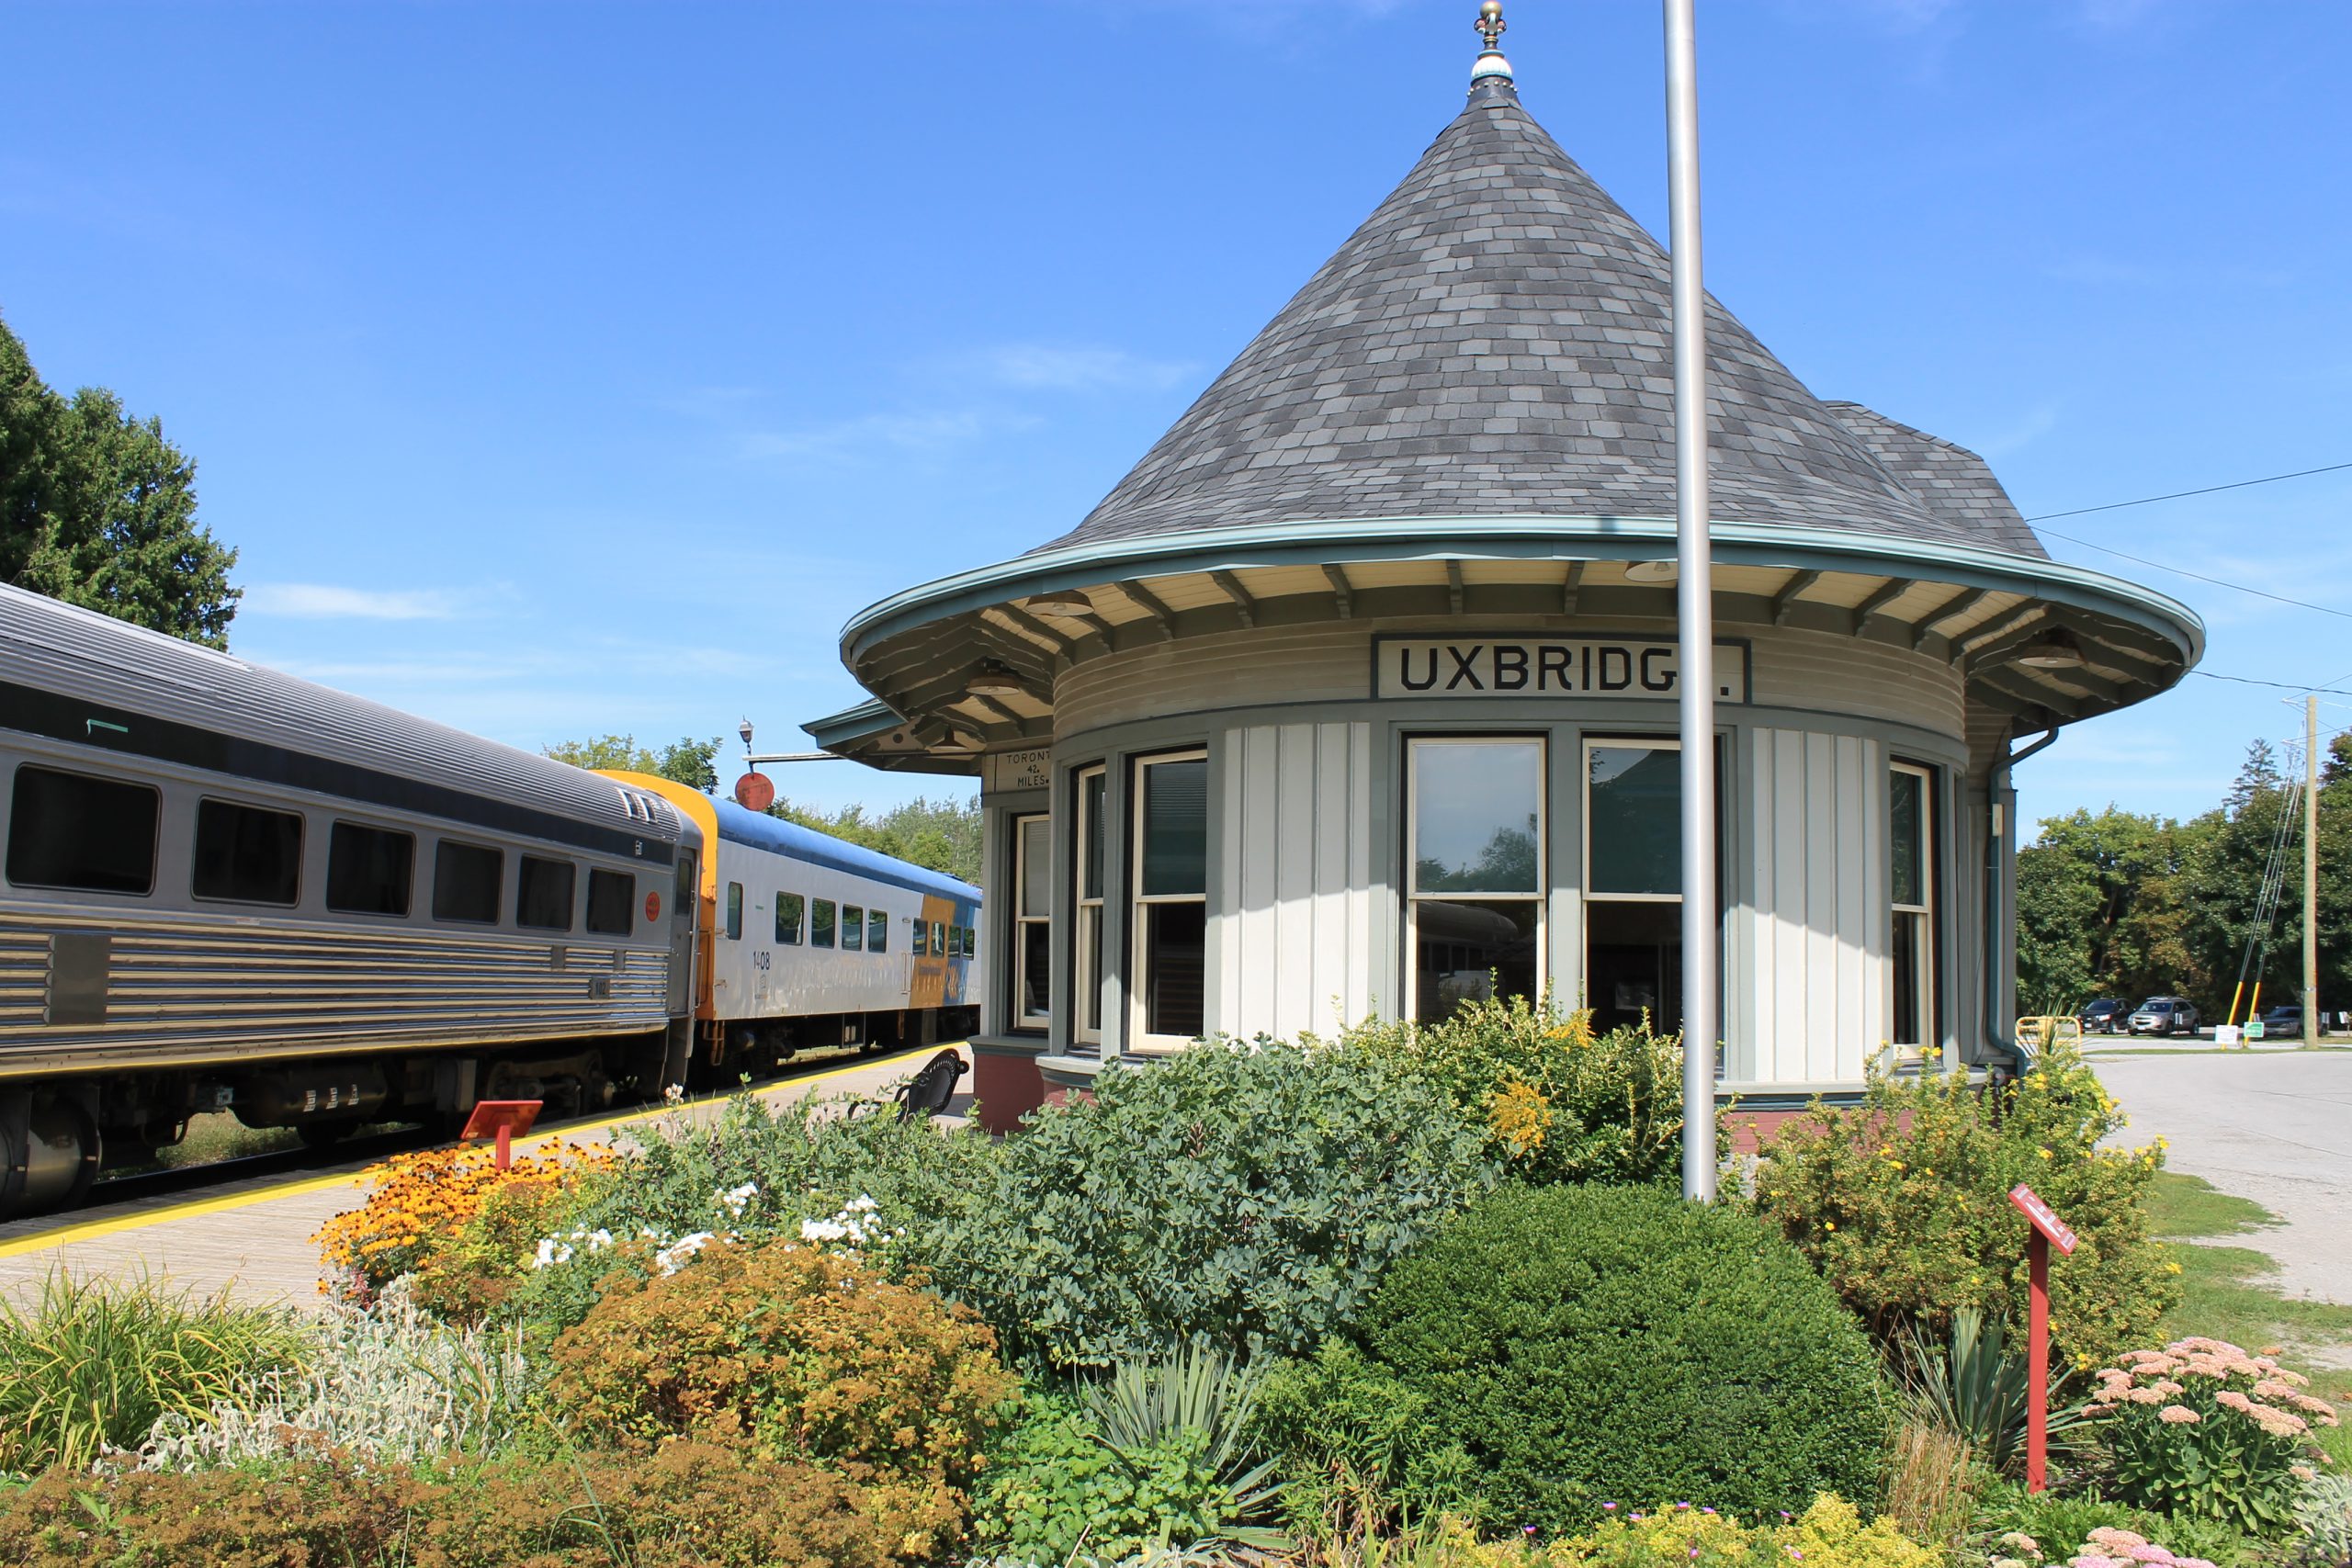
(97, 508)
(685, 760)
(944, 835)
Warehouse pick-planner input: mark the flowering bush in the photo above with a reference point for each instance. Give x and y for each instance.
(1558, 1102)
(453, 1219)
(1568, 1346)
(2202, 1429)
(1902, 1204)
(1829, 1534)
(798, 1354)
(2106, 1545)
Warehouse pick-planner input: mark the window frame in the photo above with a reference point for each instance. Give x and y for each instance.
(408, 887)
(1541, 897)
(523, 861)
(830, 926)
(154, 843)
(627, 905)
(851, 931)
(1923, 940)
(1024, 919)
(790, 934)
(731, 916)
(878, 930)
(1139, 903)
(442, 842)
(1088, 917)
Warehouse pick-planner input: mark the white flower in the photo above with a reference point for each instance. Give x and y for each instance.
(551, 1252)
(824, 1230)
(737, 1199)
(675, 1094)
(675, 1256)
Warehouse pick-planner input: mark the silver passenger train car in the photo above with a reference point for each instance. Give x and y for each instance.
(224, 888)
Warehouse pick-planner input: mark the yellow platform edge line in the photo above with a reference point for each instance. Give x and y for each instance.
(96, 1228)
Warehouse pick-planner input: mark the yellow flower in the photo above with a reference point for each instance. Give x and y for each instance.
(2172, 1267)
(1829, 1224)
(2043, 1153)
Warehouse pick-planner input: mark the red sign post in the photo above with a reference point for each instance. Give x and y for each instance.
(2044, 1230)
(504, 1118)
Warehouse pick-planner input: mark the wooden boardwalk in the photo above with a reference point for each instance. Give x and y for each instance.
(256, 1243)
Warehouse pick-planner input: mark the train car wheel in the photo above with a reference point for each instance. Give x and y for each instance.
(50, 1150)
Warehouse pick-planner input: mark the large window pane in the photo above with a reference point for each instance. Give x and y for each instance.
(787, 919)
(853, 928)
(1905, 801)
(1035, 841)
(820, 922)
(1037, 967)
(543, 894)
(466, 879)
(612, 903)
(1466, 950)
(1634, 964)
(1475, 808)
(1093, 793)
(1633, 822)
(1910, 992)
(1176, 966)
(1176, 828)
(246, 854)
(878, 932)
(368, 870)
(73, 830)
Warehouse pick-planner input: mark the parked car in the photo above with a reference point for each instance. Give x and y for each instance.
(2284, 1022)
(2105, 1016)
(2164, 1015)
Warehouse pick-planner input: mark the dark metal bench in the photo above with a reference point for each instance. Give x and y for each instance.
(927, 1092)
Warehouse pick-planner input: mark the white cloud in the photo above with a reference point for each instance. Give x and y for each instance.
(323, 601)
(869, 434)
(1044, 367)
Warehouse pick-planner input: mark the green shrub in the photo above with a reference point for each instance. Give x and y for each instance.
(2051, 1526)
(1829, 1534)
(1079, 1471)
(2323, 1521)
(684, 1506)
(93, 1364)
(1580, 1347)
(1902, 1204)
(1234, 1195)
(1558, 1102)
(801, 1355)
(2201, 1429)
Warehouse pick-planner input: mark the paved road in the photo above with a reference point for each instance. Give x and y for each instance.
(256, 1245)
(2275, 1127)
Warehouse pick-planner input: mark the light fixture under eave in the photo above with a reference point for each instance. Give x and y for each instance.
(994, 678)
(1652, 571)
(1061, 601)
(2053, 649)
(961, 740)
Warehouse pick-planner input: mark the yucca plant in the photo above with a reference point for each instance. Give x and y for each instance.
(1975, 1386)
(92, 1363)
(1195, 1403)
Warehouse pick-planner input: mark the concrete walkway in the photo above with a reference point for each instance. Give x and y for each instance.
(2273, 1126)
(257, 1244)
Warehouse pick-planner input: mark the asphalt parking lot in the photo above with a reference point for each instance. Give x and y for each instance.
(2274, 1125)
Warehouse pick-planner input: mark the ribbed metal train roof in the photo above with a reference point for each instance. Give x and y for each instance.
(63, 648)
(1496, 340)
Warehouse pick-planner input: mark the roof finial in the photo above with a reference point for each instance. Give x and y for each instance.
(1492, 68)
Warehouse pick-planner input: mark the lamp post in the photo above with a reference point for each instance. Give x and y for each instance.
(1694, 608)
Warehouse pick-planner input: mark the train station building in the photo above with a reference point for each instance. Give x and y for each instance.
(1357, 696)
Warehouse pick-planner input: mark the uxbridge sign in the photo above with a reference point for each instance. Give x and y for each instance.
(1544, 667)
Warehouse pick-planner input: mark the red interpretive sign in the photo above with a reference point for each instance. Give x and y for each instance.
(503, 1119)
(2061, 1235)
(2045, 1231)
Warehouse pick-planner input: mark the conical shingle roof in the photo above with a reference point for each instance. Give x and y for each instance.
(1496, 340)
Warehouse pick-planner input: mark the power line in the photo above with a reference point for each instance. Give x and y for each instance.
(2282, 686)
(2184, 572)
(2179, 494)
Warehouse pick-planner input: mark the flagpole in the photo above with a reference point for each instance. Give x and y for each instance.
(1694, 610)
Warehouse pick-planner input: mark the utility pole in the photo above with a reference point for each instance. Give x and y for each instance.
(2311, 869)
(1694, 608)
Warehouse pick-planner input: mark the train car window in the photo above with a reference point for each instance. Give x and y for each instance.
(969, 945)
(466, 882)
(878, 932)
(788, 910)
(820, 922)
(369, 870)
(74, 830)
(612, 902)
(247, 855)
(543, 894)
(853, 928)
(939, 939)
(734, 911)
(922, 939)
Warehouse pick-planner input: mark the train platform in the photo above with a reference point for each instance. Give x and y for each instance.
(252, 1239)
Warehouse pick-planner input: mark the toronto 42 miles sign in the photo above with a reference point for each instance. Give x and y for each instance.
(1505, 666)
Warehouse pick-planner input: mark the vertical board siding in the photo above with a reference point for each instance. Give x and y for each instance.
(1294, 938)
(1819, 872)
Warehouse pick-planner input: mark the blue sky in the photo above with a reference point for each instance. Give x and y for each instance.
(566, 368)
